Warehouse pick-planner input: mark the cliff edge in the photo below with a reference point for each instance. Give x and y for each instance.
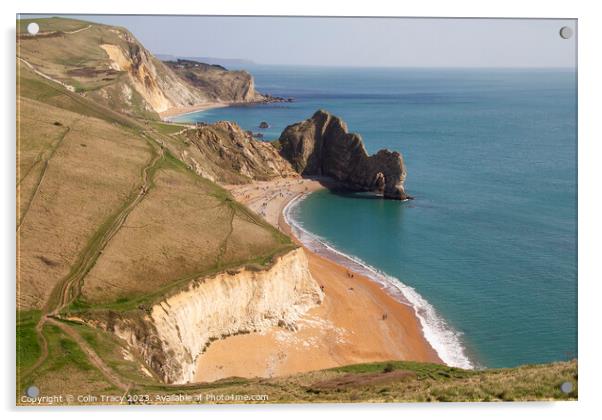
(322, 146)
(108, 65)
(217, 82)
(174, 332)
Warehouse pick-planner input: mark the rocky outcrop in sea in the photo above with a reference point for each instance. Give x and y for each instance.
(321, 146)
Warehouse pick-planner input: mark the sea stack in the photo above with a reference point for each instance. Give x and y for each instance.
(321, 146)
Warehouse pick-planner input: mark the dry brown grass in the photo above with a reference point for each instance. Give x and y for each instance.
(80, 164)
(89, 176)
(182, 228)
(64, 55)
(247, 239)
(356, 380)
(424, 382)
(174, 231)
(49, 126)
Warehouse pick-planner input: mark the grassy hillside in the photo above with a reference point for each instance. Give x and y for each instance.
(102, 208)
(51, 25)
(112, 216)
(108, 65)
(68, 370)
(67, 143)
(69, 50)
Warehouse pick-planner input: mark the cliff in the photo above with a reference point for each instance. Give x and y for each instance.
(322, 146)
(223, 152)
(218, 83)
(150, 226)
(160, 88)
(174, 332)
(111, 67)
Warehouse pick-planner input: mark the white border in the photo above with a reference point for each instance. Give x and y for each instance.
(590, 289)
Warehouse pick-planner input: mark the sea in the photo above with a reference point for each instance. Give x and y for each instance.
(486, 253)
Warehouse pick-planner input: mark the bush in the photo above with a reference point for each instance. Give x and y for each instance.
(388, 368)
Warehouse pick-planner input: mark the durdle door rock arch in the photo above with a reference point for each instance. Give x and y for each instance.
(321, 146)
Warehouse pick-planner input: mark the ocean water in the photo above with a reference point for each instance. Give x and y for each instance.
(487, 252)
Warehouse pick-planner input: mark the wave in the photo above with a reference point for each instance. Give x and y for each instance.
(444, 339)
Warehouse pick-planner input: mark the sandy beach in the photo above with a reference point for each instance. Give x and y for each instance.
(182, 110)
(357, 322)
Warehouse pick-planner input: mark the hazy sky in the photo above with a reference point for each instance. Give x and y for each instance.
(376, 42)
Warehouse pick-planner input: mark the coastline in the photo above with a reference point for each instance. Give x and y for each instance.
(358, 321)
(443, 339)
(183, 110)
(178, 111)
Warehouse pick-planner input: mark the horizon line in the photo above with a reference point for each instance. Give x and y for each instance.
(450, 67)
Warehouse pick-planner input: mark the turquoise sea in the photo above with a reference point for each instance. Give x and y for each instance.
(487, 252)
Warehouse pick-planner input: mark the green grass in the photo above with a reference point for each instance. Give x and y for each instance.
(368, 382)
(66, 370)
(224, 195)
(422, 370)
(28, 346)
(62, 352)
(110, 350)
(167, 128)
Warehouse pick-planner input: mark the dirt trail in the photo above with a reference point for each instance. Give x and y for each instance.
(42, 176)
(68, 289)
(91, 354)
(48, 33)
(78, 30)
(45, 76)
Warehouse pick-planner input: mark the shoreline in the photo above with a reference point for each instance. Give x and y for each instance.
(184, 110)
(359, 321)
(442, 338)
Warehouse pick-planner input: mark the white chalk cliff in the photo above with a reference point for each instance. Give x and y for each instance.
(172, 335)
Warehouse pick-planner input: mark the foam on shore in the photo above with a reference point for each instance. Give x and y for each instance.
(441, 336)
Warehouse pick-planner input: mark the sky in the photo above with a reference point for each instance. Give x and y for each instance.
(370, 42)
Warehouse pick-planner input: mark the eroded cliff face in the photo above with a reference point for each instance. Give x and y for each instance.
(156, 84)
(220, 84)
(110, 66)
(223, 152)
(322, 146)
(178, 84)
(174, 332)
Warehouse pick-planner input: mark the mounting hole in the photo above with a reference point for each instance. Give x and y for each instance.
(32, 391)
(566, 387)
(566, 32)
(33, 28)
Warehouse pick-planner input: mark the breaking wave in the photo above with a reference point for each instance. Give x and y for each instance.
(444, 339)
